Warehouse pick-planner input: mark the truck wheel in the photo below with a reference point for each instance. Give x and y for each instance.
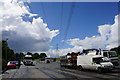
(100, 70)
(80, 68)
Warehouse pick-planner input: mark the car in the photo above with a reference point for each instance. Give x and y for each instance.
(12, 65)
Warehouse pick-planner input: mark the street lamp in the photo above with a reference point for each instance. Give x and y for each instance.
(6, 47)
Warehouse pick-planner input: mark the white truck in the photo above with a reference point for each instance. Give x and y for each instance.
(111, 55)
(47, 60)
(93, 62)
(28, 60)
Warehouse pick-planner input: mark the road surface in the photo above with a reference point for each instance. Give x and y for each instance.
(52, 71)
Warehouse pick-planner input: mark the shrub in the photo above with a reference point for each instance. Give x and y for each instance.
(119, 56)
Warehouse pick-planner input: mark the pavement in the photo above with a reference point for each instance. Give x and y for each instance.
(53, 71)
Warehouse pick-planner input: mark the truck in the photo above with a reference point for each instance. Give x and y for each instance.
(111, 55)
(28, 60)
(94, 62)
(47, 60)
(68, 61)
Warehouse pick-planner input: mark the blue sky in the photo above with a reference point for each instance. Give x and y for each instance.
(79, 20)
(85, 18)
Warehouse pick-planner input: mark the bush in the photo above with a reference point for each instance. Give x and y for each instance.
(119, 56)
(4, 64)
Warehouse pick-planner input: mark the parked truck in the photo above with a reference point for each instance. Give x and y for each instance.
(28, 60)
(68, 61)
(111, 55)
(94, 62)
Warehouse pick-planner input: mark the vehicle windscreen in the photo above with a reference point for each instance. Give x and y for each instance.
(99, 60)
(12, 62)
(28, 58)
(112, 54)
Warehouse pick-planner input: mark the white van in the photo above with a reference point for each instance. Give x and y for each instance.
(93, 62)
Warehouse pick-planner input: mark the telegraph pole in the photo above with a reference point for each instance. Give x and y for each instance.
(57, 50)
(6, 47)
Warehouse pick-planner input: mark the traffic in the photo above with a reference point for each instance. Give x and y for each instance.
(99, 60)
(95, 60)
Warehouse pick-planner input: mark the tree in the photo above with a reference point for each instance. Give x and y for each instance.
(43, 55)
(21, 55)
(36, 56)
(117, 49)
(68, 54)
(7, 53)
(28, 53)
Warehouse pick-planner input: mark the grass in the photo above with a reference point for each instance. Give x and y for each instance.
(36, 60)
(57, 59)
(119, 56)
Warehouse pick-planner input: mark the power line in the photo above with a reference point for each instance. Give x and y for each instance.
(57, 50)
(28, 19)
(22, 10)
(44, 13)
(69, 22)
(61, 22)
(30, 9)
(33, 16)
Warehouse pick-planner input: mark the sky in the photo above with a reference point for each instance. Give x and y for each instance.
(73, 26)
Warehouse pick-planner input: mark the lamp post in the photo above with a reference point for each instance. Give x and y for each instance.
(6, 48)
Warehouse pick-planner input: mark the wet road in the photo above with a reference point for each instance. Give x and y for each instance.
(52, 71)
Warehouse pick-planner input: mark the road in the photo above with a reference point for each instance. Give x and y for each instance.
(52, 71)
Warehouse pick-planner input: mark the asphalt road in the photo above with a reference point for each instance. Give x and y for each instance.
(52, 71)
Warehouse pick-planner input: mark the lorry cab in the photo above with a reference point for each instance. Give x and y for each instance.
(111, 55)
(28, 60)
(47, 60)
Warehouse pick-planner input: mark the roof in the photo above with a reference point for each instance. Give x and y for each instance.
(28, 55)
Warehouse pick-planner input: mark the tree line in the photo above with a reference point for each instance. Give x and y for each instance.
(117, 49)
(8, 54)
(34, 55)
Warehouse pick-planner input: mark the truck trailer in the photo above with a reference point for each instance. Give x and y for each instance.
(68, 61)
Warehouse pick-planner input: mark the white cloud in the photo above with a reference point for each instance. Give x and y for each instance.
(107, 38)
(23, 35)
(60, 52)
(36, 36)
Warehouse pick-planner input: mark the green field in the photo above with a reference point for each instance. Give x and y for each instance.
(36, 60)
(57, 59)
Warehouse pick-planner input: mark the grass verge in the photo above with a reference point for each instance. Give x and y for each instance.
(36, 60)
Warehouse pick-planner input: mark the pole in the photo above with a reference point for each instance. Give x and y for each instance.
(57, 50)
(6, 48)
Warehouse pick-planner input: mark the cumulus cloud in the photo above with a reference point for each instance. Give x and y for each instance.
(23, 35)
(107, 38)
(60, 52)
